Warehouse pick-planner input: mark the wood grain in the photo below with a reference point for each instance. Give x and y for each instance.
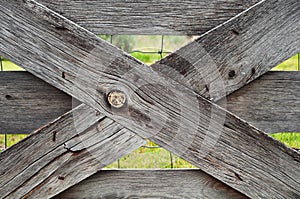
(156, 17)
(27, 103)
(230, 56)
(63, 153)
(270, 103)
(151, 184)
(224, 146)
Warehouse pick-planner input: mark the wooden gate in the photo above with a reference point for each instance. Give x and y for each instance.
(176, 103)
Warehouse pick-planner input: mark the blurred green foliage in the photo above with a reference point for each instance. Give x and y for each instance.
(290, 139)
(290, 64)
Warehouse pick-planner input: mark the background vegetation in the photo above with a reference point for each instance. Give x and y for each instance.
(149, 49)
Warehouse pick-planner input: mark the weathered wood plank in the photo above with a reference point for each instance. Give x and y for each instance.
(192, 17)
(237, 52)
(270, 103)
(27, 103)
(254, 41)
(151, 184)
(63, 153)
(79, 63)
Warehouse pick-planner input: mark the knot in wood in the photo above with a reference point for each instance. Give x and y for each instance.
(116, 99)
(231, 74)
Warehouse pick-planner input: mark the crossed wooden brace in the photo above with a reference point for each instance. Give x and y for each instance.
(167, 102)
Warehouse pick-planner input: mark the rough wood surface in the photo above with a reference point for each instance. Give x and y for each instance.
(234, 54)
(164, 184)
(270, 103)
(192, 17)
(63, 153)
(79, 63)
(27, 103)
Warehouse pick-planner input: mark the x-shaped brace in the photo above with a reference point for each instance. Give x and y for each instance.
(171, 113)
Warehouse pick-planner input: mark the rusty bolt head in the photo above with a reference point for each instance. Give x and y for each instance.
(116, 99)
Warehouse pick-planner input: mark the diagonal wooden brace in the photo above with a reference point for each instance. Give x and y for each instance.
(255, 41)
(68, 42)
(50, 187)
(282, 31)
(63, 153)
(243, 48)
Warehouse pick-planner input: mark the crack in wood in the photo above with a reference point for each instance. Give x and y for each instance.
(54, 136)
(240, 131)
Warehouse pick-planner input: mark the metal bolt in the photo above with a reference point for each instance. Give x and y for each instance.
(116, 99)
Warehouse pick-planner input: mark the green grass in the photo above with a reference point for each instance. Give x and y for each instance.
(150, 158)
(147, 58)
(158, 157)
(10, 66)
(290, 139)
(290, 64)
(11, 139)
(144, 44)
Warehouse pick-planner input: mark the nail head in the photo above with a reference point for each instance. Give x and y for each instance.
(116, 99)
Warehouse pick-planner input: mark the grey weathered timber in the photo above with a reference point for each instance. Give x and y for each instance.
(63, 153)
(237, 52)
(164, 184)
(270, 103)
(79, 63)
(192, 17)
(27, 103)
